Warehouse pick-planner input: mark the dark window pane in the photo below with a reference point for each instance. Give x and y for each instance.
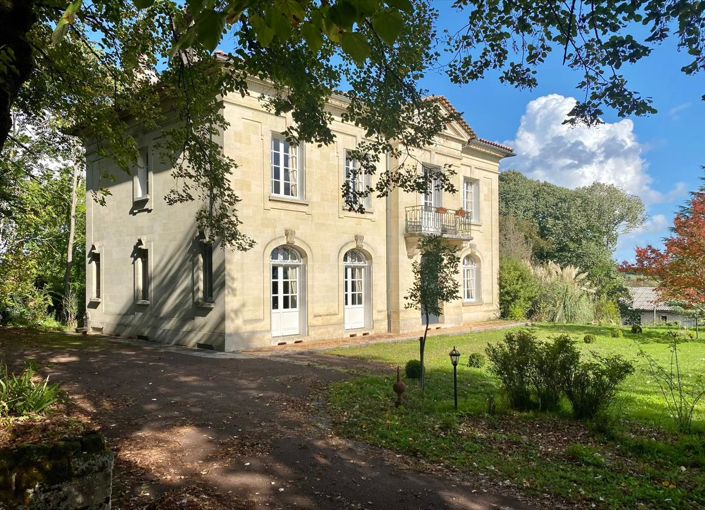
(207, 254)
(285, 302)
(275, 302)
(96, 261)
(293, 302)
(144, 267)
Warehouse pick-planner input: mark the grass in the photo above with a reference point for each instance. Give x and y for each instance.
(632, 458)
(24, 395)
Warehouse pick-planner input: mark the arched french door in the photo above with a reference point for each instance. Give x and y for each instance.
(287, 292)
(356, 290)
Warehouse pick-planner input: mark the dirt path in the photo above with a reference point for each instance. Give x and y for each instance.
(196, 432)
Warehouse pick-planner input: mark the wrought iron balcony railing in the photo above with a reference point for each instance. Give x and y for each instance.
(424, 220)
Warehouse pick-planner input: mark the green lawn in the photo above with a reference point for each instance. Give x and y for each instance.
(635, 459)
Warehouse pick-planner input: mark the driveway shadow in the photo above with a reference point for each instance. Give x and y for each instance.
(228, 433)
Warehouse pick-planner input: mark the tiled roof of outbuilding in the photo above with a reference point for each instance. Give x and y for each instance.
(646, 298)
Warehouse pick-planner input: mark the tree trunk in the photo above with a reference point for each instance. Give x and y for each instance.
(69, 314)
(422, 349)
(16, 19)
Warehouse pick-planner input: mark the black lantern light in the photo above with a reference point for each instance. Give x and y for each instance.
(454, 356)
(454, 359)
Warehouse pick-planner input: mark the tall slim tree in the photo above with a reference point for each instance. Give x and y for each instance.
(435, 283)
(69, 305)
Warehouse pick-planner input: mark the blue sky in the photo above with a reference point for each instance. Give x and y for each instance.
(657, 157)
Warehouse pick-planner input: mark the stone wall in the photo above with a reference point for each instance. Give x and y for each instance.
(71, 474)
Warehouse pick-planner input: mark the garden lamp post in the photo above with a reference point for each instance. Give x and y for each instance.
(454, 359)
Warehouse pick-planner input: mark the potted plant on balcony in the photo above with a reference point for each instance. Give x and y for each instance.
(441, 210)
(460, 213)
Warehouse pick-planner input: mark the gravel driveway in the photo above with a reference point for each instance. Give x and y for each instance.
(195, 430)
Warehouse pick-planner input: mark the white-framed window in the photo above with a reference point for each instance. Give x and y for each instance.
(471, 279)
(471, 199)
(142, 274)
(96, 287)
(434, 194)
(143, 175)
(207, 272)
(355, 269)
(287, 169)
(358, 181)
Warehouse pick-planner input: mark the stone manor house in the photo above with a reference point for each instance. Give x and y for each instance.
(317, 271)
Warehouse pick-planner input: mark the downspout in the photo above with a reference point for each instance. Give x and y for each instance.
(389, 251)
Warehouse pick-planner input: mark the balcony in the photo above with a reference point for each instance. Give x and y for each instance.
(424, 220)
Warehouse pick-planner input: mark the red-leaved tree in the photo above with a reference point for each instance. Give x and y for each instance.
(680, 265)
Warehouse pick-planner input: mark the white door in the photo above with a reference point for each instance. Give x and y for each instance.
(355, 290)
(286, 298)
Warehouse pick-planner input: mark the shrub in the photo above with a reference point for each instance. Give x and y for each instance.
(636, 329)
(413, 369)
(592, 386)
(628, 314)
(20, 395)
(564, 294)
(476, 360)
(535, 375)
(554, 362)
(606, 311)
(616, 333)
(589, 339)
(517, 288)
(512, 362)
(680, 392)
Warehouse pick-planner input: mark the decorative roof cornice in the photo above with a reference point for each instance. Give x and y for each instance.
(455, 113)
(489, 147)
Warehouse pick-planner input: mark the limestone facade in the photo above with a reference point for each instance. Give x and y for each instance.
(335, 273)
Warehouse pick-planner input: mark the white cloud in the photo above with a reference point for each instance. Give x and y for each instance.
(656, 224)
(652, 231)
(573, 156)
(675, 112)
